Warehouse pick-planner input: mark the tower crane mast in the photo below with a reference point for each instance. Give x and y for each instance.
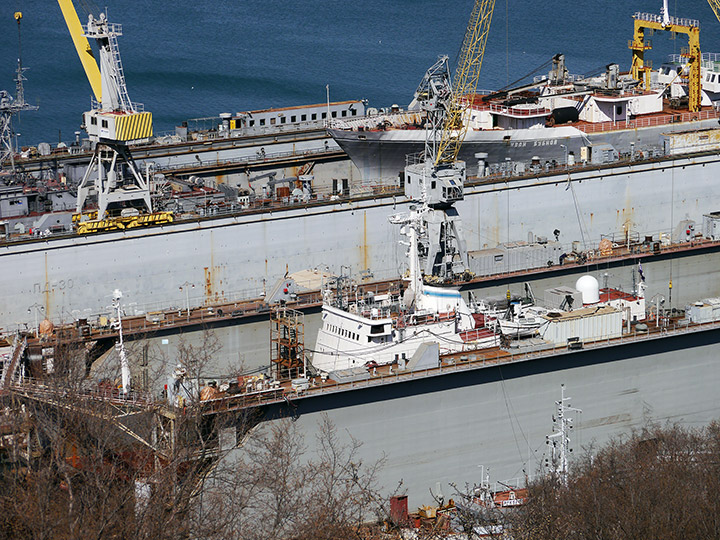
(437, 180)
(10, 106)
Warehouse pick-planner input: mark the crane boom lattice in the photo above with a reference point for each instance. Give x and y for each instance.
(465, 81)
(715, 5)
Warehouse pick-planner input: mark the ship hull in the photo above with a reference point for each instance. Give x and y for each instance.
(382, 154)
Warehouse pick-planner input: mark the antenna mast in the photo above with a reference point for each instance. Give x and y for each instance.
(559, 441)
(10, 107)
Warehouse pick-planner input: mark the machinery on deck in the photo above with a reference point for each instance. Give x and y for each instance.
(112, 124)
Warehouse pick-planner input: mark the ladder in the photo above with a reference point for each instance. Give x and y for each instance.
(119, 74)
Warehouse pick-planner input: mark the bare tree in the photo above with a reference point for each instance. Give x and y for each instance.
(657, 483)
(90, 463)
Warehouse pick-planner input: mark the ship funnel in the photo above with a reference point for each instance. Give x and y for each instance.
(589, 288)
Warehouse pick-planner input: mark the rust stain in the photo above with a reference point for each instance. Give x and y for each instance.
(208, 284)
(494, 232)
(628, 213)
(365, 242)
(213, 285)
(214, 290)
(48, 289)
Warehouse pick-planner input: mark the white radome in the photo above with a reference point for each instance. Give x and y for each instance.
(590, 289)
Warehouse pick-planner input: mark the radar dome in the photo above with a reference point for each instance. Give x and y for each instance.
(589, 288)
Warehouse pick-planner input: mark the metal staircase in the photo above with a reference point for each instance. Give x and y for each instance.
(9, 372)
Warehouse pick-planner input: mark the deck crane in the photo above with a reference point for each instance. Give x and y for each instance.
(690, 27)
(112, 124)
(436, 180)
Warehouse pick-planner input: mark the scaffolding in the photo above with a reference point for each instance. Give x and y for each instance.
(287, 343)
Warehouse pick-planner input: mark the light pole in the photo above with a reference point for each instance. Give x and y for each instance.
(186, 287)
(36, 307)
(120, 345)
(565, 151)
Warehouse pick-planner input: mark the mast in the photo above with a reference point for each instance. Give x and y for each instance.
(10, 107)
(120, 345)
(559, 441)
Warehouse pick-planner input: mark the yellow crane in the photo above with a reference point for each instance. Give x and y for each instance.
(82, 46)
(689, 27)
(438, 251)
(112, 124)
(715, 5)
(465, 81)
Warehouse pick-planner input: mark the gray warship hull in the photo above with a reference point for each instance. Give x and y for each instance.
(242, 255)
(382, 154)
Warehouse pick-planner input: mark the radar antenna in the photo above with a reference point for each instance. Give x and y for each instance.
(10, 107)
(559, 441)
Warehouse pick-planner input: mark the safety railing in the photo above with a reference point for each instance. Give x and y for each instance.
(648, 122)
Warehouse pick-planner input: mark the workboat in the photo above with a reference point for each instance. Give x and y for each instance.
(522, 321)
(375, 330)
(525, 318)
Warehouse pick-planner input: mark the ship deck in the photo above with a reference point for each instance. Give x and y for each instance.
(665, 117)
(276, 392)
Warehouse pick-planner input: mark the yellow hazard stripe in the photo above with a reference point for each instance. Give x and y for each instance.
(133, 126)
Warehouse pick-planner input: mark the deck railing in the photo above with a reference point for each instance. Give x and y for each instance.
(648, 122)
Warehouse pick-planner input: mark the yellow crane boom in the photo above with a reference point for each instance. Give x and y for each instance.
(715, 5)
(82, 47)
(465, 81)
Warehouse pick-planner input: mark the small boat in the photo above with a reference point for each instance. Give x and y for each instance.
(522, 320)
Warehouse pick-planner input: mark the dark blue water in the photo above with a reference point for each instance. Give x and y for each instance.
(186, 59)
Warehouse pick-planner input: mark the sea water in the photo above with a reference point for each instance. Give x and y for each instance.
(187, 59)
